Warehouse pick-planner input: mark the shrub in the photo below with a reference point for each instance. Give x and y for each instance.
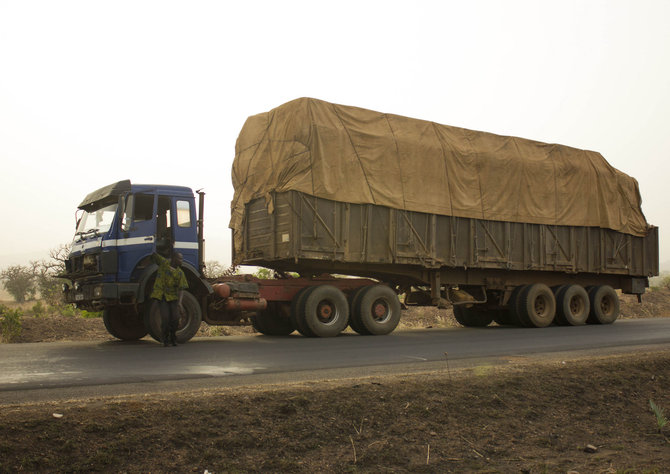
(39, 310)
(67, 310)
(10, 324)
(90, 314)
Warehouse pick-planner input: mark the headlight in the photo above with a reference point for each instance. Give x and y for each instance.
(97, 292)
(66, 288)
(77, 286)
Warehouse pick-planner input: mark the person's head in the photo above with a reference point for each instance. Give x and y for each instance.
(176, 260)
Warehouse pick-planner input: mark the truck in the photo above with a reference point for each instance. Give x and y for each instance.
(362, 215)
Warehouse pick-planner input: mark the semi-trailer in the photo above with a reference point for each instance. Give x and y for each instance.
(362, 214)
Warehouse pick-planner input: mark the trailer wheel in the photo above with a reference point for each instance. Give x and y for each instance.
(124, 323)
(572, 305)
(604, 305)
(189, 322)
(472, 317)
(326, 311)
(355, 311)
(537, 305)
(271, 323)
(514, 306)
(379, 310)
(298, 310)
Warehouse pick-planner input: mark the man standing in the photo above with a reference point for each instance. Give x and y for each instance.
(168, 291)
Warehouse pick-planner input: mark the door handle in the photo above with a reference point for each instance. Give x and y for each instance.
(149, 239)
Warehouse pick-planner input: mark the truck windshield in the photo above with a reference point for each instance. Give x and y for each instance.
(97, 221)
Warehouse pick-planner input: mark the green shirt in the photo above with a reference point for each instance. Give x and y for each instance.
(169, 281)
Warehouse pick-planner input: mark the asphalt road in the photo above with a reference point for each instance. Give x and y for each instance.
(59, 367)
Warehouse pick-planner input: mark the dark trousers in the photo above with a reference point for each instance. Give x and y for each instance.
(169, 320)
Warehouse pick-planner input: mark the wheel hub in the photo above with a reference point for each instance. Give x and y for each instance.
(325, 312)
(540, 306)
(380, 311)
(606, 306)
(575, 305)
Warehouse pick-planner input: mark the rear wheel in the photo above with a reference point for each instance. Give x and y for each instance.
(298, 310)
(272, 322)
(604, 307)
(557, 290)
(355, 311)
(513, 306)
(572, 305)
(189, 320)
(326, 311)
(537, 305)
(379, 310)
(124, 323)
(472, 317)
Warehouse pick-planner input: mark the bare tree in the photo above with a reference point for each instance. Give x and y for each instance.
(46, 271)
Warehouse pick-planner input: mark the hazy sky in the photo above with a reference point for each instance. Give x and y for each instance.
(156, 92)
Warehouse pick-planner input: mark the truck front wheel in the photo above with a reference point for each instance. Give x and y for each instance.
(189, 321)
(123, 323)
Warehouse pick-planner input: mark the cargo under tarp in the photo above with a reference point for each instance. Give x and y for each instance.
(349, 154)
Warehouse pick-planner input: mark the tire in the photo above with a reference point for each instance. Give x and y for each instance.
(355, 311)
(572, 305)
(537, 306)
(271, 322)
(189, 322)
(559, 320)
(124, 324)
(298, 310)
(513, 306)
(472, 317)
(326, 311)
(257, 323)
(379, 310)
(604, 307)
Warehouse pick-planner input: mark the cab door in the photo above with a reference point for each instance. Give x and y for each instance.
(184, 229)
(137, 238)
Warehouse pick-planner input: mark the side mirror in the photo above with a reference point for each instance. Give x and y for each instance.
(125, 207)
(77, 218)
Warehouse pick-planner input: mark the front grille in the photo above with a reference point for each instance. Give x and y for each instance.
(85, 264)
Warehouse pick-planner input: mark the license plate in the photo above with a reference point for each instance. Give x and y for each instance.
(79, 297)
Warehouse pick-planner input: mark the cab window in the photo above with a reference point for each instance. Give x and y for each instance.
(183, 214)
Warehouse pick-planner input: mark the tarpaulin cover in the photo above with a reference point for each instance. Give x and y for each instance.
(355, 155)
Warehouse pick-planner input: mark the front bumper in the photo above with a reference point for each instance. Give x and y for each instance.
(99, 295)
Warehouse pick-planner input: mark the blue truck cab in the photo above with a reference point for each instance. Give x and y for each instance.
(110, 268)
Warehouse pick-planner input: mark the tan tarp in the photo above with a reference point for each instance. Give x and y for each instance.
(355, 155)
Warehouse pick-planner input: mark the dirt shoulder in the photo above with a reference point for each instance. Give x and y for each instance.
(536, 417)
